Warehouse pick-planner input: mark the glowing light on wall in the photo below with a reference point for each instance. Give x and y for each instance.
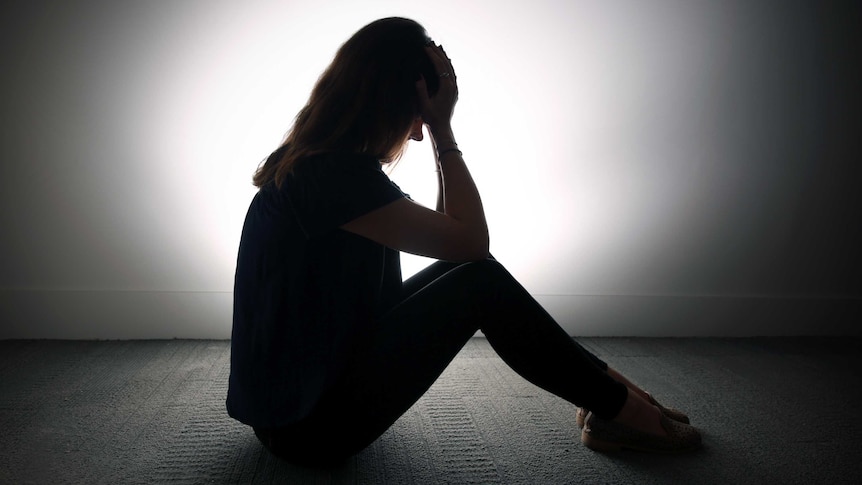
(572, 115)
(622, 149)
(553, 96)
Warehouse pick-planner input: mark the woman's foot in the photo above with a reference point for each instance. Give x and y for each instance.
(631, 385)
(674, 414)
(609, 436)
(639, 414)
(640, 426)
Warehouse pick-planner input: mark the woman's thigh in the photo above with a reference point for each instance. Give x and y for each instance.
(411, 345)
(404, 354)
(425, 277)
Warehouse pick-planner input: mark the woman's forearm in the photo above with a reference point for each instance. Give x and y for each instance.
(458, 197)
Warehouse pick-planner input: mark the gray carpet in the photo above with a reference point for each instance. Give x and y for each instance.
(776, 410)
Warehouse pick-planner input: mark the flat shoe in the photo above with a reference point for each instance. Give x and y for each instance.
(674, 414)
(608, 436)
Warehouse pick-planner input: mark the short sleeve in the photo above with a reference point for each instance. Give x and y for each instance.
(325, 192)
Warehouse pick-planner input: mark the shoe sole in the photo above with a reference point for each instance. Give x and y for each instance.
(602, 446)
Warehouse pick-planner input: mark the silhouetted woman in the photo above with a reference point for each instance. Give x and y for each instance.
(329, 347)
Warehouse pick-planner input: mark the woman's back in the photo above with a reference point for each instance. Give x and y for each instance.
(304, 289)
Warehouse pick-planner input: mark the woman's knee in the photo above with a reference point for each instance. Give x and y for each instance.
(483, 270)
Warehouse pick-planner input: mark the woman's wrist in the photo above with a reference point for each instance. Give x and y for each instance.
(448, 152)
(443, 138)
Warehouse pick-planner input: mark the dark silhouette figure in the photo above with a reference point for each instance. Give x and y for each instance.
(329, 347)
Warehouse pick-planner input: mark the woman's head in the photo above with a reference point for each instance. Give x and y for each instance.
(365, 101)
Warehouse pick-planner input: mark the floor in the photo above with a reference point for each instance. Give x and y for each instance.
(772, 410)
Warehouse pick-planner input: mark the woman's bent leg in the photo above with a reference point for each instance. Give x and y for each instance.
(428, 275)
(529, 340)
(404, 354)
(519, 329)
(414, 342)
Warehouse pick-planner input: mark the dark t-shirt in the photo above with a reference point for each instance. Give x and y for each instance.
(306, 292)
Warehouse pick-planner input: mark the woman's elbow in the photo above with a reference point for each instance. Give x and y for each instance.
(475, 249)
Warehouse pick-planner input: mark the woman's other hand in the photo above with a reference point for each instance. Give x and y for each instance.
(437, 110)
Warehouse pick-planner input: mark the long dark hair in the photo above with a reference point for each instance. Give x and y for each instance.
(364, 102)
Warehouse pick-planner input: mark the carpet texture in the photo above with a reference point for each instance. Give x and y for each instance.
(772, 410)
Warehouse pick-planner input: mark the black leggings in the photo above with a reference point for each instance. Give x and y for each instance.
(442, 308)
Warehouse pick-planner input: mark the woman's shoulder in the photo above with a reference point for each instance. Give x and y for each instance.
(333, 167)
(321, 172)
(337, 160)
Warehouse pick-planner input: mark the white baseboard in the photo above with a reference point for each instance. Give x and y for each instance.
(40, 314)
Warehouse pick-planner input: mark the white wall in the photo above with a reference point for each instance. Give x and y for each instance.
(648, 167)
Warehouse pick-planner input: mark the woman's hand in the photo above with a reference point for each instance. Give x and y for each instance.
(458, 230)
(437, 111)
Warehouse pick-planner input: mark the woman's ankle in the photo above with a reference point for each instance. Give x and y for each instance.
(629, 384)
(639, 414)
